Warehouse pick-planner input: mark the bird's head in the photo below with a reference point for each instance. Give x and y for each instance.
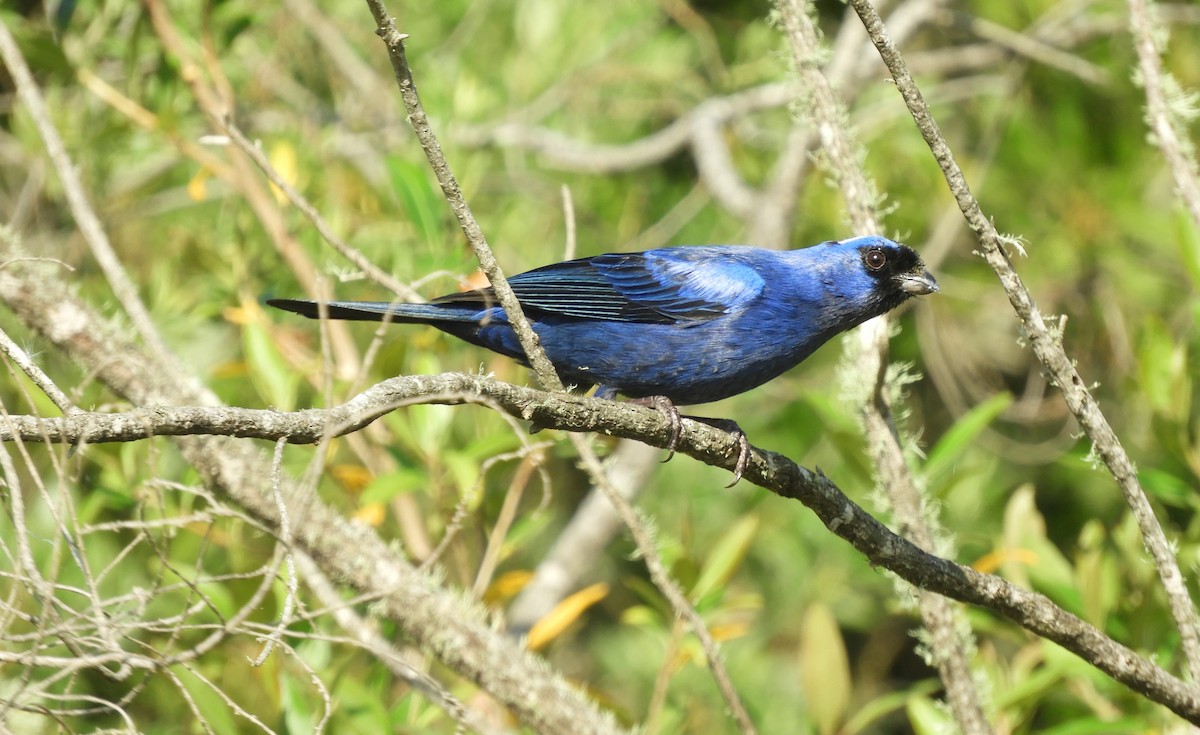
(877, 273)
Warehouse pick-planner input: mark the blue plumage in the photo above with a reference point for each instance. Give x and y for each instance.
(691, 324)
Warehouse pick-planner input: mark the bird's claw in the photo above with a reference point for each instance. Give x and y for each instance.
(667, 408)
(743, 457)
(743, 460)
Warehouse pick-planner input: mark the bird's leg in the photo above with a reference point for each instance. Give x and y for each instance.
(743, 460)
(667, 408)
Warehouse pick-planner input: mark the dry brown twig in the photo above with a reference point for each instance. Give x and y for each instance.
(360, 261)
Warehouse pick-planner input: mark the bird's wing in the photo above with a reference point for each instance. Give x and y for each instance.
(658, 287)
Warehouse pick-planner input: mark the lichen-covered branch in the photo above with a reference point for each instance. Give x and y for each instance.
(1045, 342)
(452, 630)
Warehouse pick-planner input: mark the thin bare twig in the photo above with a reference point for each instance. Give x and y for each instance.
(1045, 342)
(394, 40)
(948, 646)
(536, 356)
(360, 261)
(81, 209)
(285, 544)
(1034, 49)
(437, 620)
(23, 361)
(575, 155)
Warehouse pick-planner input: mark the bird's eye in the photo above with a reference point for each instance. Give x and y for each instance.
(875, 259)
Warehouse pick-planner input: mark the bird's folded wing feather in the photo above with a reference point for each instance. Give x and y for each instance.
(652, 287)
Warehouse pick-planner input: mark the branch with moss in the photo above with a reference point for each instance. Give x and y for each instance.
(547, 376)
(441, 622)
(448, 628)
(949, 645)
(1168, 108)
(1045, 342)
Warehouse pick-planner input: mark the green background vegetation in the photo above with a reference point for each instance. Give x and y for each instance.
(816, 639)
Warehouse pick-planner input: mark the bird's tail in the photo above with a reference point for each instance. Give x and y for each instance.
(377, 311)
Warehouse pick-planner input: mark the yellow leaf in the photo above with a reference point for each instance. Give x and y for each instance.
(353, 477)
(507, 585)
(236, 315)
(993, 560)
(197, 187)
(729, 631)
(372, 514)
(565, 613)
(283, 160)
(726, 556)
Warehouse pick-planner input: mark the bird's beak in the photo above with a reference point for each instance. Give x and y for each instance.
(918, 283)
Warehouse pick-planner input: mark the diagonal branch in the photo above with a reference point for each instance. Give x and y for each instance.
(949, 647)
(875, 541)
(536, 356)
(1045, 342)
(394, 40)
(440, 622)
(77, 199)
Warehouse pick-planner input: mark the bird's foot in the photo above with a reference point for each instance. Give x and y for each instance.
(731, 426)
(667, 408)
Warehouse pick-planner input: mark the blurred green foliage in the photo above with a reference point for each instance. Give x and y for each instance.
(816, 639)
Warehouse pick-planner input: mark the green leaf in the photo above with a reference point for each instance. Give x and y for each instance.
(884, 705)
(1031, 687)
(961, 436)
(726, 556)
(299, 709)
(276, 381)
(824, 668)
(1165, 372)
(1168, 488)
(1097, 573)
(387, 486)
(1032, 559)
(215, 713)
(421, 203)
(1098, 726)
(927, 718)
(490, 444)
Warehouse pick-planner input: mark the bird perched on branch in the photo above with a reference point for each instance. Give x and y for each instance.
(678, 325)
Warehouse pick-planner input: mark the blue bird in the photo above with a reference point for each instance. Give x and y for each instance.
(678, 325)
